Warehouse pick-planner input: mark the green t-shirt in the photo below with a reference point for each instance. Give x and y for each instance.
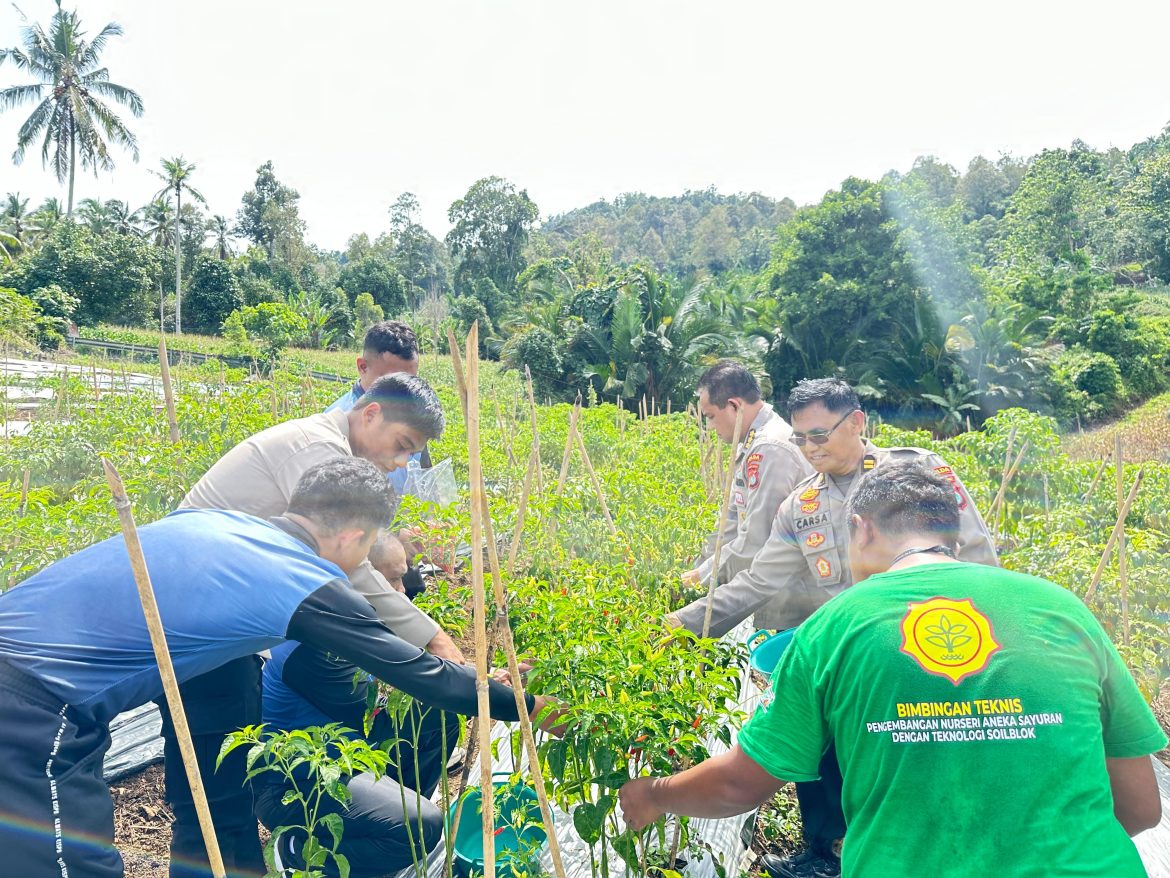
(972, 710)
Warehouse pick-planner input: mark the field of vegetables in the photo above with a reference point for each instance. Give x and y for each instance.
(585, 599)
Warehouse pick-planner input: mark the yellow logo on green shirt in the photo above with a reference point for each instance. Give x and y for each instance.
(948, 638)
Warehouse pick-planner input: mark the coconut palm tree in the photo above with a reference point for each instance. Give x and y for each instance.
(17, 222)
(221, 229)
(70, 114)
(158, 223)
(177, 175)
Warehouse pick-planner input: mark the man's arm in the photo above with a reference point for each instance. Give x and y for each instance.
(776, 564)
(335, 619)
(401, 616)
(1137, 804)
(767, 483)
(722, 786)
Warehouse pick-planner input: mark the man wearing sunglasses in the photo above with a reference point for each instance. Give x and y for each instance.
(767, 468)
(806, 561)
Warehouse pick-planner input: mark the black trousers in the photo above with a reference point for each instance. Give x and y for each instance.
(821, 816)
(216, 703)
(56, 814)
(390, 822)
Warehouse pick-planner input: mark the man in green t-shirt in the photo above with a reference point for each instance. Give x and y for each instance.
(983, 721)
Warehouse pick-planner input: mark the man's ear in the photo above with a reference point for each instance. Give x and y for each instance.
(362, 365)
(860, 530)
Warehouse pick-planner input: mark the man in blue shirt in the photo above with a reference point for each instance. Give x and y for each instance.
(75, 650)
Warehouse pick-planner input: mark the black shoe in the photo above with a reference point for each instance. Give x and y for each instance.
(806, 864)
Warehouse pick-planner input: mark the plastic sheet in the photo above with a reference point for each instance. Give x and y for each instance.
(135, 742)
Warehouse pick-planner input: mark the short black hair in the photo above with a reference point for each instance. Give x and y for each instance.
(833, 393)
(905, 497)
(342, 493)
(406, 399)
(391, 337)
(728, 379)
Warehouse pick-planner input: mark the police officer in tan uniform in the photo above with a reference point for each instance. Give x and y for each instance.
(767, 468)
(806, 561)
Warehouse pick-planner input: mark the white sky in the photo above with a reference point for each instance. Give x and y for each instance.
(357, 101)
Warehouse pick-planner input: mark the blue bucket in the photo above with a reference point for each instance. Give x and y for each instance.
(468, 841)
(766, 648)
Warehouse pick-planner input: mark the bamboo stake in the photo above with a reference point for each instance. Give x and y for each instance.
(168, 391)
(1007, 460)
(522, 510)
(504, 437)
(596, 483)
(535, 429)
(504, 628)
(1097, 477)
(471, 409)
(568, 449)
(729, 481)
(1122, 563)
(170, 682)
(460, 383)
(24, 493)
(1118, 528)
(998, 502)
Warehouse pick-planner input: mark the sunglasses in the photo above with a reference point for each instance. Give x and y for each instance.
(819, 437)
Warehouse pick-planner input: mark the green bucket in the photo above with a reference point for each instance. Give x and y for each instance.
(765, 649)
(514, 799)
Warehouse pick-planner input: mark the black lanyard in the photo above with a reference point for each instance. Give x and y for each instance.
(937, 550)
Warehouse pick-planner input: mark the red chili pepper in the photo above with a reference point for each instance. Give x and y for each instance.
(695, 724)
(498, 831)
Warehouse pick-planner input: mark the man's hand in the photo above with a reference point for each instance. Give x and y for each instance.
(442, 646)
(690, 578)
(637, 799)
(670, 620)
(504, 675)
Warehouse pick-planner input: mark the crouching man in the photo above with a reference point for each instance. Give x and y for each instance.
(966, 702)
(75, 651)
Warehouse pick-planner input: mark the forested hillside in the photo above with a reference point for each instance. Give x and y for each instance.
(944, 294)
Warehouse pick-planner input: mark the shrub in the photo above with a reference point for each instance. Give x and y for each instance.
(1085, 384)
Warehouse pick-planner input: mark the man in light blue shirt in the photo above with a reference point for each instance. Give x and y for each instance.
(389, 346)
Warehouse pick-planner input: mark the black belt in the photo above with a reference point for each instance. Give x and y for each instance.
(27, 686)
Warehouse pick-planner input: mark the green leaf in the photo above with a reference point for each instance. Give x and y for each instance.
(335, 825)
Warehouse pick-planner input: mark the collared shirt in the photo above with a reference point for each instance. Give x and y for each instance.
(258, 477)
(768, 467)
(806, 558)
(398, 477)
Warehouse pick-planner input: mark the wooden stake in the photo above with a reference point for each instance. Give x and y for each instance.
(471, 410)
(457, 363)
(729, 481)
(168, 392)
(1122, 578)
(535, 430)
(505, 439)
(504, 629)
(568, 449)
(596, 483)
(170, 682)
(1118, 528)
(1009, 474)
(1097, 477)
(24, 493)
(522, 509)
